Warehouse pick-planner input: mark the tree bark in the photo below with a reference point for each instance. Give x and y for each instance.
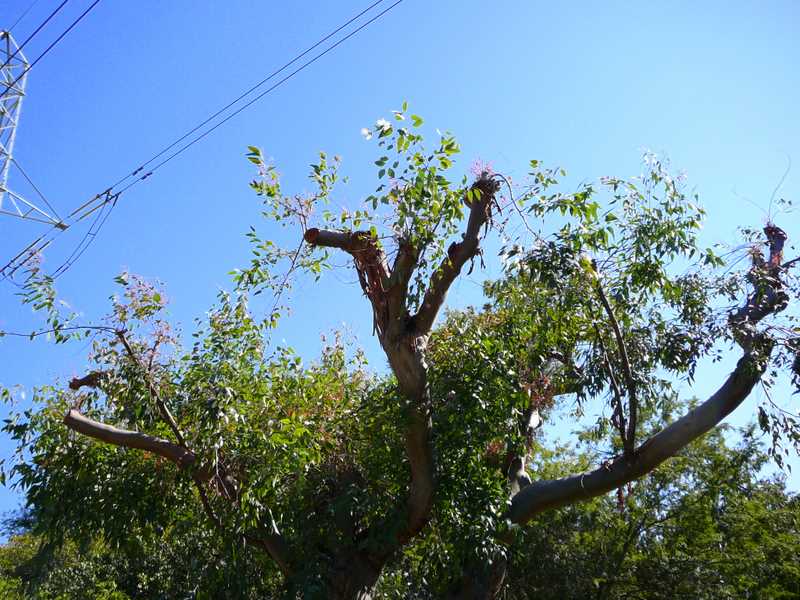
(545, 495)
(274, 545)
(354, 577)
(480, 582)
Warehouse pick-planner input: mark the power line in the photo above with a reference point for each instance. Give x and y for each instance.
(89, 236)
(247, 93)
(31, 36)
(50, 47)
(261, 95)
(98, 202)
(106, 200)
(180, 151)
(24, 12)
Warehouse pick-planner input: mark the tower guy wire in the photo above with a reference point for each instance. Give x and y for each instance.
(105, 201)
(24, 13)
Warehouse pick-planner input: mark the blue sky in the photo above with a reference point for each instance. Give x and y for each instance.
(713, 85)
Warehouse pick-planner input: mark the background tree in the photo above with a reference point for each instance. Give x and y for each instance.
(317, 478)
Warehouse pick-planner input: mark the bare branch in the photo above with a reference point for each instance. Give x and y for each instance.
(329, 239)
(789, 263)
(617, 405)
(457, 254)
(370, 263)
(129, 439)
(185, 459)
(162, 407)
(768, 297)
(628, 440)
(91, 380)
(403, 268)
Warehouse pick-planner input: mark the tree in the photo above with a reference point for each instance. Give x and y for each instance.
(334, 474)
(703, 526)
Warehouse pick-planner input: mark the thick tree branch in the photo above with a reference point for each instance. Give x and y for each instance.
(275, 546)
(129, 439)
(180, 454)
(420, 459)
(404, 349)
(370, 264)
(457, 254)
(767, 297)
(545, 495)
(185, 459)
(330, 239)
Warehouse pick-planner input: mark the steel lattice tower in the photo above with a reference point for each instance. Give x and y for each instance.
(13, 75)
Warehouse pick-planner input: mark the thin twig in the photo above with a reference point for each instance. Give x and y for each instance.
(162, 407)
(514, 203)
(789, 263)
(207, 505)
(774, 405)
(626, 368)
(286, 277)
(620, 424)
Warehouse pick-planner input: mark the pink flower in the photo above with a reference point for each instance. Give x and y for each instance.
(480, 168)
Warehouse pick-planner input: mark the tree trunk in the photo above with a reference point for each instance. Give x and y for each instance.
(480, 582)
(352, 577)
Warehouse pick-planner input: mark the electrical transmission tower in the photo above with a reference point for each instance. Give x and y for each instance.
(13, 75)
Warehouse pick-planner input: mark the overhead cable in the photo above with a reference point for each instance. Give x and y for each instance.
(50, 47)
(245, 94)
(31, 36)
(105, 201)
(261, 95)
(24, 12)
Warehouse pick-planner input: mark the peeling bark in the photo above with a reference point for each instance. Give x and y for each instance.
(404, 337)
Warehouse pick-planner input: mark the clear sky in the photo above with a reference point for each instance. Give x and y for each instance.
(713, 85)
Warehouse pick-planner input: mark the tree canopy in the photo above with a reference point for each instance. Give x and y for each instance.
(237, 468)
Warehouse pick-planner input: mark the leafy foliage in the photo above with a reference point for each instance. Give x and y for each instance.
(606, 300)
